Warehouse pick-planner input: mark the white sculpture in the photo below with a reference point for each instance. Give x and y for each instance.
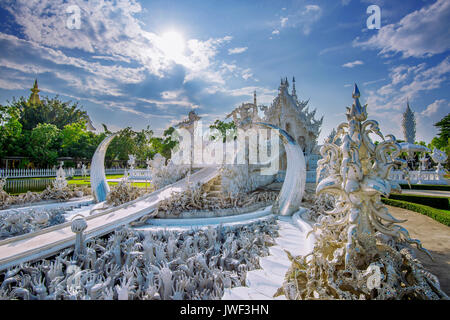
(60, 182)
(163, 175)
(440, 157)
(423, 162)
(99, 186)
(359, 235)
(84, 172)
(131, 265)
(78, 225)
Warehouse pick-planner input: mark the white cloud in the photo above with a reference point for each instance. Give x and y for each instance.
(171, 94)
(237, 50)
(303, 18)
(246, 74)
(410, 82)
(434, 107)
(353, 64)
(422, 33)
(110, 31)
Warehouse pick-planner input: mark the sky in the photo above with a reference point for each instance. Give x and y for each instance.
(148, 63)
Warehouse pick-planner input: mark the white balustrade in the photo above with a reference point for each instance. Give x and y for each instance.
(42, 173)
(418, 177)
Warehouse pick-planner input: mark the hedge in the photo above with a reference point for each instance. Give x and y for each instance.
(431, 201)
(426, 187)
(433, 213)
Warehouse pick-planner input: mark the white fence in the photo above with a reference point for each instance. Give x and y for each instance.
(139, 174)
(418, 177)
(42, 173)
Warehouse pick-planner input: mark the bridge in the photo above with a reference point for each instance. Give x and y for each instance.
(47, 242)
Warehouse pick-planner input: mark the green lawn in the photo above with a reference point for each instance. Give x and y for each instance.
(87, 182)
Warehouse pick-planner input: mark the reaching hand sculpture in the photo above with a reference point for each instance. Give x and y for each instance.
(359, 235)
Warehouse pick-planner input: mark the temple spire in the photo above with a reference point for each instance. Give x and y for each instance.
(254, 97)
(34, 97)
(294, 92)
(409, 124)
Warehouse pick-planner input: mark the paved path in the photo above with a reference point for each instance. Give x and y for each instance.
(435, 193)
(263, 283)
(46, 242)
(435, 237)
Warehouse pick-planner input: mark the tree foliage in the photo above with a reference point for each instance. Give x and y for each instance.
(45, 140)
(50, 110)
(51, 129)
(226, 129)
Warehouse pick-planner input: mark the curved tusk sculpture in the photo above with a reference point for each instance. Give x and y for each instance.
(99, 186)
(291, 194)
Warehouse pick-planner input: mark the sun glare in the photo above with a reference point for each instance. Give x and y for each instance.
(172, 44)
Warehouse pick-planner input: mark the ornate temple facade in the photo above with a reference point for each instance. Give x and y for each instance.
(294, 116)
(288, 113)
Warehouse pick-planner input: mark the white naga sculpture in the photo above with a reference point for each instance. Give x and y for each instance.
(359, 247)
(99, 186)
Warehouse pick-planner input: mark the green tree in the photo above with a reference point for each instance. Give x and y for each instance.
(78, 142)
(50, 110)
(164, 145)
(45, 142)
(442, 141)
(10, 130)
(226, 129)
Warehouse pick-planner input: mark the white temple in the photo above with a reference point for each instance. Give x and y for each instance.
(294, 116)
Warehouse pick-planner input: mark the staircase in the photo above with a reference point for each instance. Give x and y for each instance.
(263, 283)
(213, 188)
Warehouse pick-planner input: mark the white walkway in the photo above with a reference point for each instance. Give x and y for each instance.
(433, 193)
(46, 242)
(263, 283)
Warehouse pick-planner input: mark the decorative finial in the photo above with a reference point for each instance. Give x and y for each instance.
(294, 92)
(356, 93)
(357, 112)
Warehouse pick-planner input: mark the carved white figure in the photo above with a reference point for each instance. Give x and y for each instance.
(423, 162)
(84, 172)
(152, 266)
(440, 157)
(60, 181)
(359, 235)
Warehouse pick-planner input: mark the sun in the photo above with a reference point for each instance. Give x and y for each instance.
(172, 44)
